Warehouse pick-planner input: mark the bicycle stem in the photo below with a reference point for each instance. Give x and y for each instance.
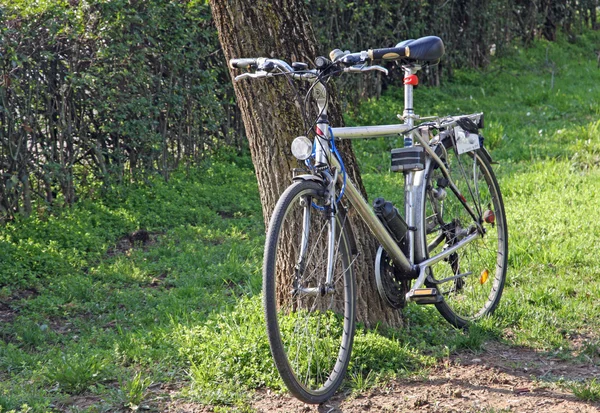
(322, 151)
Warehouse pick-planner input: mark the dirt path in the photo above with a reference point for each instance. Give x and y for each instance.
(501, 379)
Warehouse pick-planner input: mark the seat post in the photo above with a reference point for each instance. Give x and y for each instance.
(409, 112)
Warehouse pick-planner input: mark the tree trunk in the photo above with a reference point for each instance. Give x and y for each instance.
(281, 29)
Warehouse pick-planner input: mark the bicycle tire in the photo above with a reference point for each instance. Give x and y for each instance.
(481, 265)
(310, 336)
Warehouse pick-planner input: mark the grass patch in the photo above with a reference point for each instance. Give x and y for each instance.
(105, 327)
(588, 391)
(133, 391)
(74, 373)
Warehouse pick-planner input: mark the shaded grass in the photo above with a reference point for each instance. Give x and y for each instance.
(106, 325)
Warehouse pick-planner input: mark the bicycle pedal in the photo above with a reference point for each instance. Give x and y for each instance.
(424, 296)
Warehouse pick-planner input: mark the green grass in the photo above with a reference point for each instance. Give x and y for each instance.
(588, 391)
(85, 315)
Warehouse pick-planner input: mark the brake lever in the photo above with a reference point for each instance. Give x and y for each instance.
(252, 75)
(357, 69)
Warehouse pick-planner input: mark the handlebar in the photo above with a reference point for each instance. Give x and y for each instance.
(344, 61)
(267, 67)
(385, 54)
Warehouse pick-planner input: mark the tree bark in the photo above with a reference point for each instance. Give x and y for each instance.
(281, 29)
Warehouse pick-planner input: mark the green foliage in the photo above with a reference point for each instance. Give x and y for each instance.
(134, 390)
(387, 355)
(115, 91)
(472, 31)
(56, 246)
(106, 91)
(229, 354)
(476, 336)
(107, 323)
(360, 382)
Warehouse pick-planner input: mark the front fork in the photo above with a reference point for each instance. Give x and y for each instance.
(330, 210)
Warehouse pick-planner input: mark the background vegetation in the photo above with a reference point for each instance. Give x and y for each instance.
(95, 93)
(94, 318)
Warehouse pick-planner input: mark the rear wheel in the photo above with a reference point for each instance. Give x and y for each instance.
(310, 322)
(471, 279)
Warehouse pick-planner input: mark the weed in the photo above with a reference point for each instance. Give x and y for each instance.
(25, 408)
(359, 381)
(588, 391)
(133, 391)
(31, 334)
(591, 350)
(75, 373)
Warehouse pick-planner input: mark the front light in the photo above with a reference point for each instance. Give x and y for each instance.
(302, 148)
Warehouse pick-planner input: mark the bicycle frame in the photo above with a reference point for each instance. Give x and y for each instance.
(310, 290)
(417, 261)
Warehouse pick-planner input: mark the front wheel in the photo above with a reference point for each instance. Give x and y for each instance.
(310, 320)
(471, 279)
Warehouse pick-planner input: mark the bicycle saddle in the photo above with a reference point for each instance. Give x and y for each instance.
(428, 49)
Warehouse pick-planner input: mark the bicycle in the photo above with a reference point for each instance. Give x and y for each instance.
(451, 243)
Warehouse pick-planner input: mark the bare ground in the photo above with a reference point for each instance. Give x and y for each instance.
(499, 379)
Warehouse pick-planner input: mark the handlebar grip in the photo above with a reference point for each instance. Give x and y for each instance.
(389, 53)
(242, 63)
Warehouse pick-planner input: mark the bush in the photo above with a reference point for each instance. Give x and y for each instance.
(103, 91)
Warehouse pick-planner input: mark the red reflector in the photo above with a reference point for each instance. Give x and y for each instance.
(411, 80)
(319, 131)
(489, 216)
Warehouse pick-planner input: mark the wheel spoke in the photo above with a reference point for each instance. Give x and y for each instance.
(467, 298)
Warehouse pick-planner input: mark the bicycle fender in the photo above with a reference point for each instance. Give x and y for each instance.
(487, 155)
(308, 177)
